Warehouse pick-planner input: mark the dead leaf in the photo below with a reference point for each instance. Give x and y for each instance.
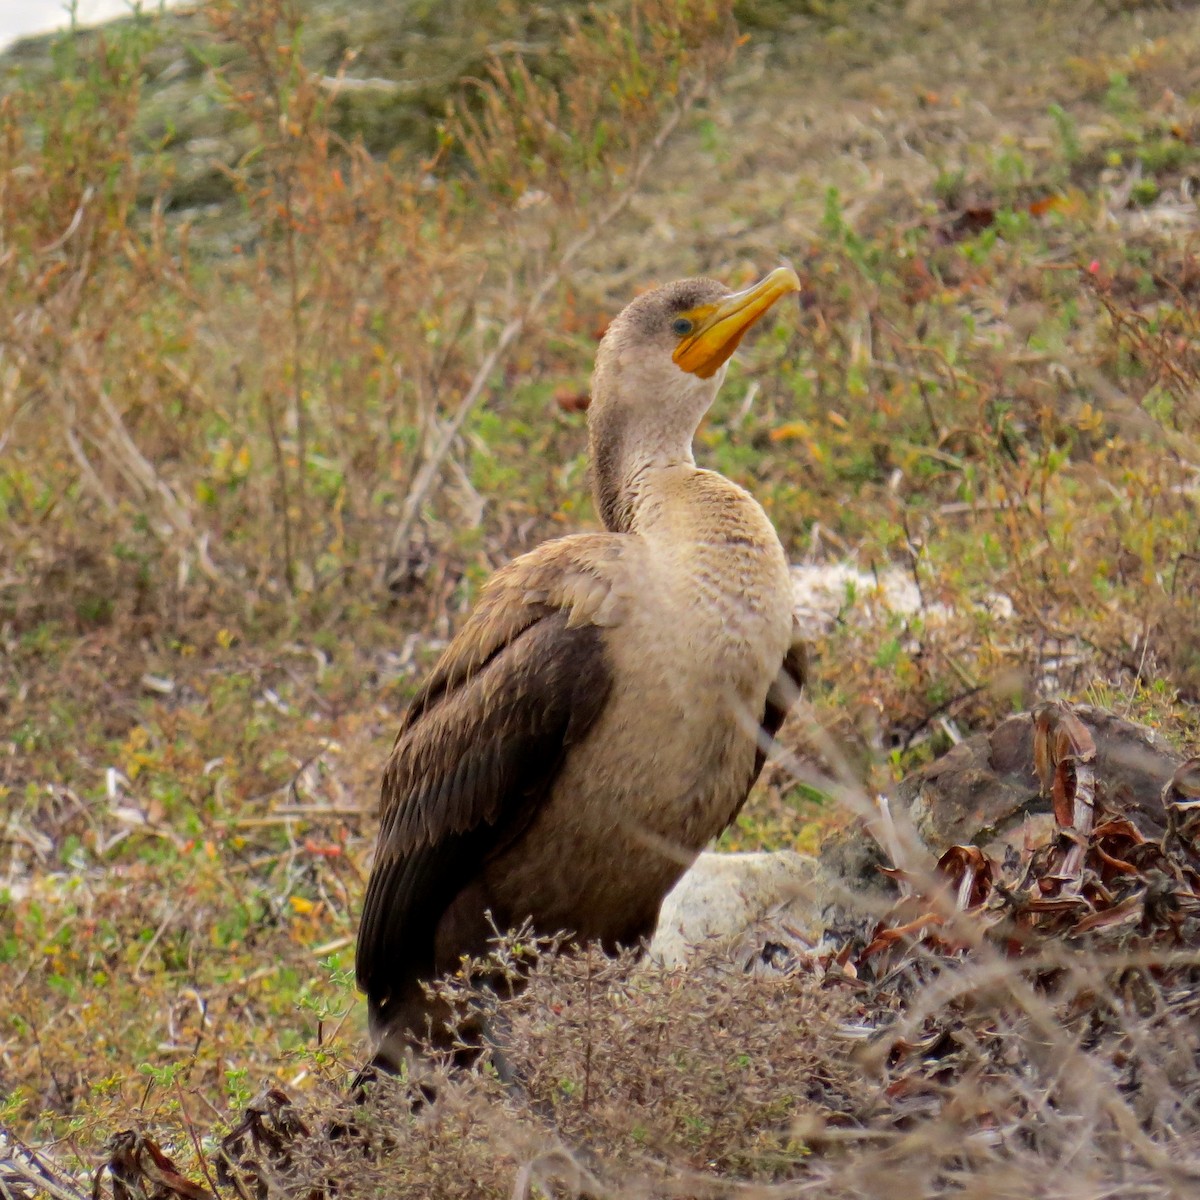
(967, 223)
(1128, 912)
(570, 399)
(969, 872)
(1064, 753)
(141, 1171)
(885, 937)
(260, 1145)
(1181, 799)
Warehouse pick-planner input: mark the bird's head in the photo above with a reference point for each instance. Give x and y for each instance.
(669, 347)
(661, 362)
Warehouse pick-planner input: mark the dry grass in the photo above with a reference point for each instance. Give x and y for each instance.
(1072, 1077)
(257, 456)
(220, 475)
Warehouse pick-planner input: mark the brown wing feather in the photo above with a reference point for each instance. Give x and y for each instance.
(480, 747)
(572, 574)
(789, 683)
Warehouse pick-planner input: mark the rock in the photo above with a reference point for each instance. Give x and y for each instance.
(727, 900)
(825, 593)
(983, 792)
(722, 895)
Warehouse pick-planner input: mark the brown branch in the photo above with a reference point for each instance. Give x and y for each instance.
(431, 468)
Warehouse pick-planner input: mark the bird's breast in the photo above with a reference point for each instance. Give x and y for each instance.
(705, 622)
(703, 638)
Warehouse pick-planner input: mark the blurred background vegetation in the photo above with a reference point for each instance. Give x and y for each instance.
(298, 303)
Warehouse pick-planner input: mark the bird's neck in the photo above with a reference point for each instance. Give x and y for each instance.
(673, 503)
(629, 467)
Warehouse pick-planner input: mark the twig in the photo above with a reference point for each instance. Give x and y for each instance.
(88, 471)
(323, 810)
(191, 1128)
(431, 469)
(172, 912)
(327, 948)
(25, 1174)
(76, 221)
(587, 1050)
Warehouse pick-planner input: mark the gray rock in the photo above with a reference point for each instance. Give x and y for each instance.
(722, 895)
(983, 792)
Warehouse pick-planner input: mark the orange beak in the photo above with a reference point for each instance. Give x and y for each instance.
(718, 328)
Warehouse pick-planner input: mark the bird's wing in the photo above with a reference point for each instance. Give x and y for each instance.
(482, 742)
(792, 677)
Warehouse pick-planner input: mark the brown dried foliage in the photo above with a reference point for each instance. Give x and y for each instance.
(1017, 1027)
(249, 426)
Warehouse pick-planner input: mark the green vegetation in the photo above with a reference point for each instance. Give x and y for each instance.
(261, 264)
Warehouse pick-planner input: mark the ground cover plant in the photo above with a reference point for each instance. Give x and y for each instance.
(298, 310)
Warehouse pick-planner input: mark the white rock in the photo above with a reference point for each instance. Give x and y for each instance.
(723, 895)
(823, 592)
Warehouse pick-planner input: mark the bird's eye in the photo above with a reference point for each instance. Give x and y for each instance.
(681, 326)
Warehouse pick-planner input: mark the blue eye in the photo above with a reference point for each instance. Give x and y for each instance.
(681, 326)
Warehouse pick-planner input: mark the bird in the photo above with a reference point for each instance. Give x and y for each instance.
(606, 706)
